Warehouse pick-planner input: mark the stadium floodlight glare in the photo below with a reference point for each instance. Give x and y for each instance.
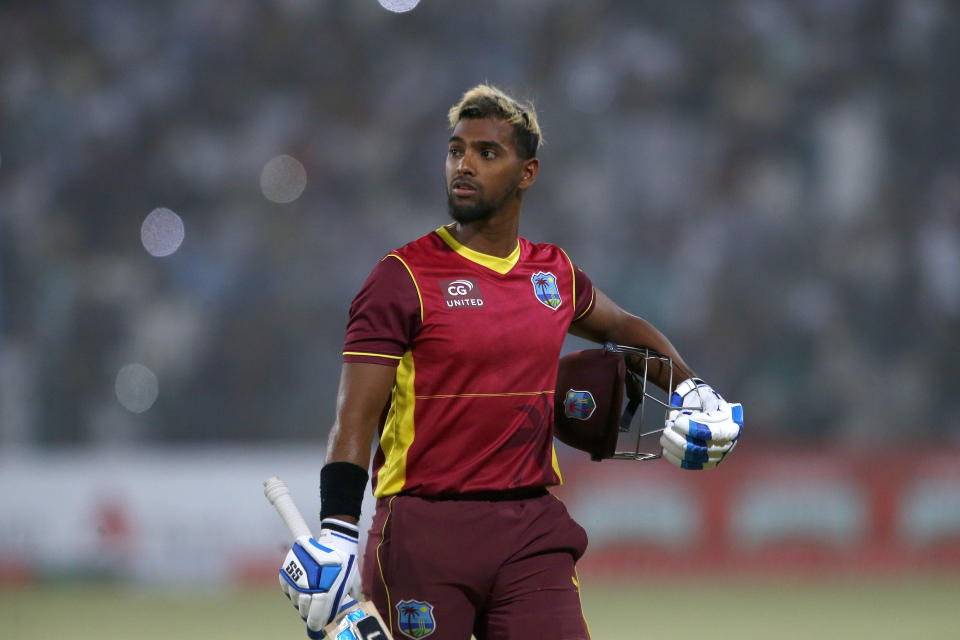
(283, 179)
(162, 232)
(399, 6)
(136, 387)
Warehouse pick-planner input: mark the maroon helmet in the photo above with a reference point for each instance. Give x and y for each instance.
(588, 404)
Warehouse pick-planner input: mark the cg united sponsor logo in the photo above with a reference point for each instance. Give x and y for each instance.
(462, 292)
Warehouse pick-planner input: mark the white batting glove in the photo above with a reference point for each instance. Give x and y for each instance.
(703, 428)
(321, 576)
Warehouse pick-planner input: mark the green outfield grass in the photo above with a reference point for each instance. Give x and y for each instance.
(922, 608)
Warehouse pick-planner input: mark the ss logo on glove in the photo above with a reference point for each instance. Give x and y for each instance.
(294, 571)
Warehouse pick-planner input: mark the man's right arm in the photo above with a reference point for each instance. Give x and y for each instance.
(385, 316)
(321, 595)
(361, 398)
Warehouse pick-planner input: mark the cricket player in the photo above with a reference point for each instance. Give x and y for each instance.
(451, 358)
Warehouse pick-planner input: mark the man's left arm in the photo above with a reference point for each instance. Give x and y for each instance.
(607, 322)
(703, 428)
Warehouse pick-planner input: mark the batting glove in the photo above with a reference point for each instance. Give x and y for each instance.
(320, 575)
(702, 429)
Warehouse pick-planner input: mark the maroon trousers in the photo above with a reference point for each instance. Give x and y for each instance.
(497, 569)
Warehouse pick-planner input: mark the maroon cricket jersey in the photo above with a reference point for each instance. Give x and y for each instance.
(476, 340)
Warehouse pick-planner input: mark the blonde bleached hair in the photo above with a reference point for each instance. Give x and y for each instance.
(487, 101)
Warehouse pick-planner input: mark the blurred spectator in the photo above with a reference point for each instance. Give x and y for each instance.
(773, 183)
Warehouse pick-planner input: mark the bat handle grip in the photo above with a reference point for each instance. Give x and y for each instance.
(278, 494)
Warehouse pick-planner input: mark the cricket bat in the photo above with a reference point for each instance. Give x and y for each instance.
(360, 622)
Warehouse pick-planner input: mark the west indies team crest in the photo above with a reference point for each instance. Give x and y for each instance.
(579, 405)
(545, 288)
(415, 618)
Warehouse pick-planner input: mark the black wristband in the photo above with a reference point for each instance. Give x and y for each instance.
(341, 489)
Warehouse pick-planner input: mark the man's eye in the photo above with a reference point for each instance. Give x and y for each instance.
(454, 152)
(489, 154)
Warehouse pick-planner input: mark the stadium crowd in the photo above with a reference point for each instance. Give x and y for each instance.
(775, 184)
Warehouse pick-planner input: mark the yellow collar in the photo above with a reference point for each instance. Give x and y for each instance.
(500, 265)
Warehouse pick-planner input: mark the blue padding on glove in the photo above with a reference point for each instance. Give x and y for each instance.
(737, 413)
(327, 576)
(309, 565)
(695, 453)
(699, 430)
(323, 548)
(699, 442)
(676, 400)
(318, 578)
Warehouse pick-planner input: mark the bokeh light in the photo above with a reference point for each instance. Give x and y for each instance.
(399, 6)
(283, 179)
(162, 232)
(136, 387)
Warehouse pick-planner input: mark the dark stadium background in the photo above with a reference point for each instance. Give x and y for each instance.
(774, 184)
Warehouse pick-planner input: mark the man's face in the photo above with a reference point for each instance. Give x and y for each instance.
(483, 169)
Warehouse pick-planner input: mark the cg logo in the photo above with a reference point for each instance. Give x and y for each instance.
(459, 287)
(462, 292)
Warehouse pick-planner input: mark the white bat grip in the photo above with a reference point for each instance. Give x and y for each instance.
(279, 496)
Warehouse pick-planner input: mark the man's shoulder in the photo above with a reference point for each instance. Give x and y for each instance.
(541, 250)
(427, 243)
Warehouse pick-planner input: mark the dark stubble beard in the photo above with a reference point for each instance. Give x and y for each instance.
(479, 211)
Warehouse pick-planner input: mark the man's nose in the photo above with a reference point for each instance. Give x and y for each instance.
(465, 165)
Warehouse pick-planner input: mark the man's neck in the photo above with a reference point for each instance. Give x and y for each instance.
(496, 236)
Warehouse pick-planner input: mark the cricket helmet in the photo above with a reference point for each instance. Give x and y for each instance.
(589, 412)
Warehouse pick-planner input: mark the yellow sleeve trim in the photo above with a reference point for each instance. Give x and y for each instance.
(573, 278)
(375, 355)
(593, 296)
(419, 297)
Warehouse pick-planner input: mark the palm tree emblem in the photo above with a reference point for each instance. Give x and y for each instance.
(545, 288)
(409, 611)
(416, 619)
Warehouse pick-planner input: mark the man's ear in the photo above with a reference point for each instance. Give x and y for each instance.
(529, 173)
